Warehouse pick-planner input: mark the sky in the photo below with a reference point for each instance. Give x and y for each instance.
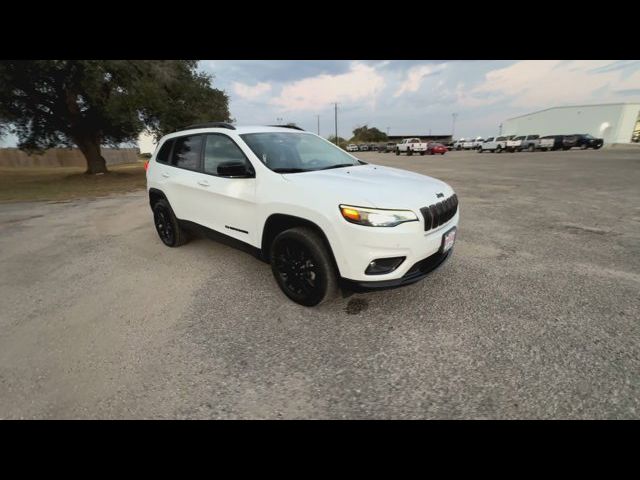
(416, 97)
(419, 97)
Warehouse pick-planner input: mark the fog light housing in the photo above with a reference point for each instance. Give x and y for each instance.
(380, 266)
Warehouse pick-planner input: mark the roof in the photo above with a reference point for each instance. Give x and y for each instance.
(574, 106)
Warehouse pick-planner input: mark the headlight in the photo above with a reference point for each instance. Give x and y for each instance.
(374, 217)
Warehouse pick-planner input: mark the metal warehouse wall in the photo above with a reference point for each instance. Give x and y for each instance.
(613, 122)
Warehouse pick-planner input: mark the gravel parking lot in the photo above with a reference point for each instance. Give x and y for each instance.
(537, 315)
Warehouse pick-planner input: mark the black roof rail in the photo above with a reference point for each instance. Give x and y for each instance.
(295, 127)
(209, 125)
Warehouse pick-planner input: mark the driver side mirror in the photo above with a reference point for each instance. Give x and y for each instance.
(235, 170)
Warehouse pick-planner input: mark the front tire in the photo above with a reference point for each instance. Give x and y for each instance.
(397, 151)
(303, 267)
(167, 225)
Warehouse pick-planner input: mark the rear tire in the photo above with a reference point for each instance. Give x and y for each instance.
(532, 148)
(397, 151)
(167, 225)
(303, 267)
(499, 149)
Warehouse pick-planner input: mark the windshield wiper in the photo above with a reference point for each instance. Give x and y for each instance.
(289, 170)
(341, 165)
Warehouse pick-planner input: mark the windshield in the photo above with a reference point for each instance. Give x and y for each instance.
(292, 152)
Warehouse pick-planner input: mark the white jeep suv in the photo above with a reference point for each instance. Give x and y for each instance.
(323, 219)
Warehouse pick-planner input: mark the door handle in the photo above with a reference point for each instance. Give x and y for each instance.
(165, 175)
(204, 183)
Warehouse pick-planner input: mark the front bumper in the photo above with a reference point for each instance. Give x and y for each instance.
(361, 245)
(416, 273)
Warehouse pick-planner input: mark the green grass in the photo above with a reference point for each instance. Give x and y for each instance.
(64, 183)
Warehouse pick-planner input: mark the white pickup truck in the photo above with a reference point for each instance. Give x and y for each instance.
(411, 146)
(514, 144)
(494, 144)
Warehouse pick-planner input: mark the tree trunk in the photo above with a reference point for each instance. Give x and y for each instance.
(90, 148)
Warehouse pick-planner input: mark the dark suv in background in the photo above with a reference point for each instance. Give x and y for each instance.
(581, 140)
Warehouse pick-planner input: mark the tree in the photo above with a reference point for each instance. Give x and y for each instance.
(90, 103)
(341, 141)
(365, 134)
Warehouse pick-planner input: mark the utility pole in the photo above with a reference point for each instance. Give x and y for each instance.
(336, 121)
(387, 131)
(453, 127)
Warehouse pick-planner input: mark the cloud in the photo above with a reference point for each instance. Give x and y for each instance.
(250, 92)
(415, 76)
(362, 83)
(534, 84)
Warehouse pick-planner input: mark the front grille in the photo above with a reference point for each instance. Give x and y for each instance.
(439, 213)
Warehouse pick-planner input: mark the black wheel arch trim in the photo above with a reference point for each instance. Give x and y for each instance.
(156, 194)
(279, 222)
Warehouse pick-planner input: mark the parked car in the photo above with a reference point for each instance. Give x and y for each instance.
(352, 147)
(390, 147)
(581, 140)
(530, 143)
(436, 148)
(551, 142)
(477, 143)
(411, 146)
(468, 144)
(363, 147)
(494, 144)
(457, 145)
(514, 143)
(322, 221)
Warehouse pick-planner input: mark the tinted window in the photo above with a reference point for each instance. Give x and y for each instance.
(220, 149)
(490, 139)
(519, 138)
(500, 139)
(533, 137)
(186, 153)
(165, 151)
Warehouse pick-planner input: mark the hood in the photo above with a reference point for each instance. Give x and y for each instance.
(374, 186)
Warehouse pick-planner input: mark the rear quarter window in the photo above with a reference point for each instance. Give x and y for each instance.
(165, 151)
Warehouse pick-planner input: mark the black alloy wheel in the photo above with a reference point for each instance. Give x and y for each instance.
(164, 225)
(303, 267)
(297, 268)
(167, 226)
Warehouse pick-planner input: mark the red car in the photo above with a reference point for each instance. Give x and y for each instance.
(434, 148)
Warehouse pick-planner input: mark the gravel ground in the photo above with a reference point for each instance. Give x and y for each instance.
(535, 316)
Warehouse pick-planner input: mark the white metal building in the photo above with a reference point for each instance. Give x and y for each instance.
(613, 122)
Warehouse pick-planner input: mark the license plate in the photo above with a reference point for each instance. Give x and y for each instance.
(448, 239)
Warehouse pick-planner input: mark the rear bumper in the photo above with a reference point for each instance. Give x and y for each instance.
(417, 272)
